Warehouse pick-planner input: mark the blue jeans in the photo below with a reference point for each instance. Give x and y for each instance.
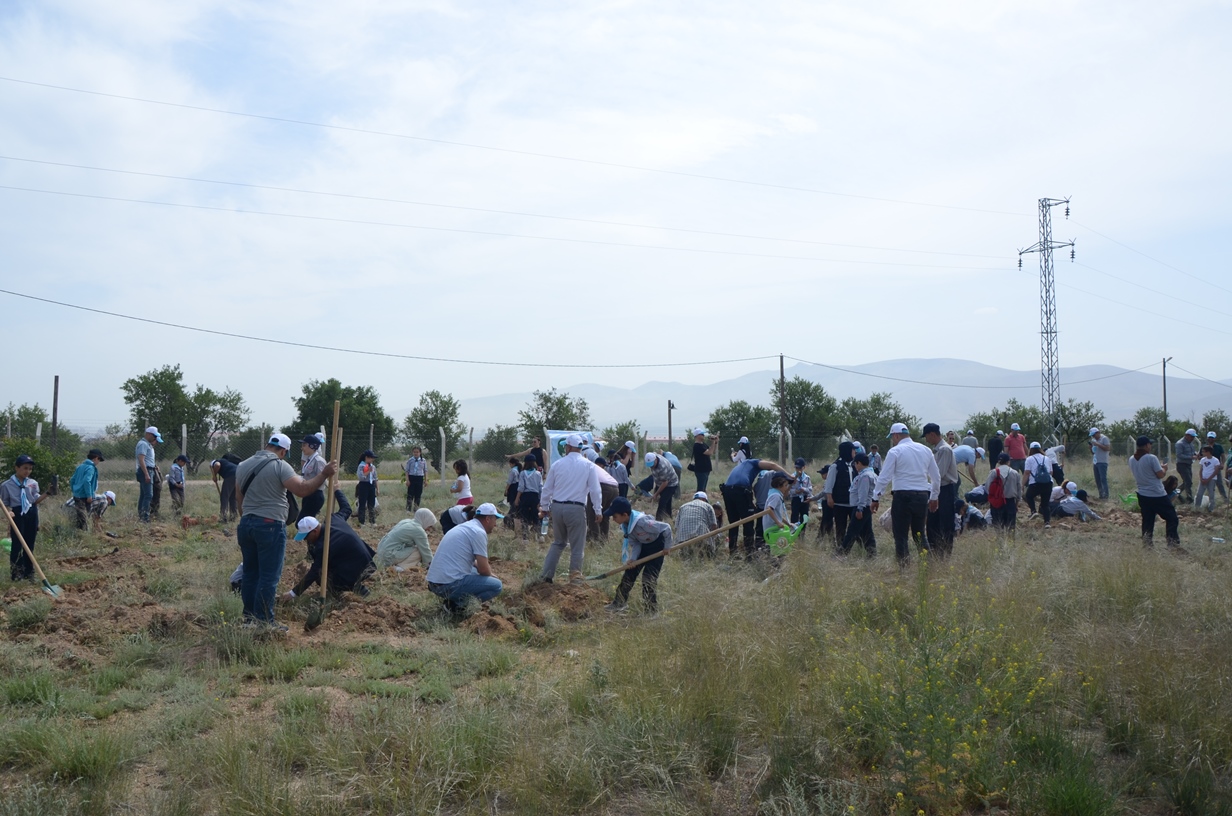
(1101, 479)
(146, 496)
(703, 479)
(483, 587)
(263, 544)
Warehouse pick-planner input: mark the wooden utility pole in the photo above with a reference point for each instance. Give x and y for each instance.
(782, 409)
(55, 413)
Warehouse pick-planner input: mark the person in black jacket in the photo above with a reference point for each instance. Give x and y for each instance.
(350, 558)
(993, 448)
(837, 491)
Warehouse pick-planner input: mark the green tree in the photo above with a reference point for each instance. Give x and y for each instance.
(1076, 420)
(555, 410)
(1034, 425)
(810, 414)
(435, 411)
(361, 408)
(738, 418)
(158, 398)
(1217, 421)
(497, 442)
(869, 420)
(622, 432)
(213, 414)
(49, 468)
(25, 420)
(1149, 421)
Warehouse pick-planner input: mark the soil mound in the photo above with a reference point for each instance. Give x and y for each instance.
(571, 601)
(489, 624)
(381, 615)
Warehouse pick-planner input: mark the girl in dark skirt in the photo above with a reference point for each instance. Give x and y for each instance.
(511, 490)
(530, 484)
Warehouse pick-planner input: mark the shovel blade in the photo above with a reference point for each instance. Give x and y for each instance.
(53, 591)
(316, 616)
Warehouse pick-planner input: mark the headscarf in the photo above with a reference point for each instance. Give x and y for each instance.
(425, 518)
(845, 451)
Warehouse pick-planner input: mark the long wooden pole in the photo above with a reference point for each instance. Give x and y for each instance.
(329, 504)
(47, 587)
(681, 545)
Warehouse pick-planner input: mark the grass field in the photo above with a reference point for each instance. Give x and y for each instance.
(1069, 672)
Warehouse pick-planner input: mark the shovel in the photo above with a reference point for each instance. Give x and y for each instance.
(681, 545)
(316, 616)
(53, 591)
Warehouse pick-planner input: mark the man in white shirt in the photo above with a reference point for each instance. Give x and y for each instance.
(571, 481)
(911, 472)
(461, 568)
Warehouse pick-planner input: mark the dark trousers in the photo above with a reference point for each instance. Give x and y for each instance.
(365, 494)
(1185, 471)
(650, 577)
(840, 514)
(607, 495)
(1006, 516)
(157, 497)
(909, 516)
(624, 490)
(861, 530)
(799, 509)
(1042, 491)
(226, 499)
(528, 509)
(177, 498)
(738, 501)
(646, 485)
(664, 510)
(827, 520)
(20, 567)
(312, 505)
(1152, 506)
(703, 478)
(941, 521)
(82, 506)
(414, 491)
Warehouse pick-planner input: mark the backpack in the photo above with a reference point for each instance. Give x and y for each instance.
(1042, 474)
(996, 490)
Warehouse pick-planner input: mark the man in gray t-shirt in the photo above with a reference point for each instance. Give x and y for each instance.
(261, 484)
(1153, 498)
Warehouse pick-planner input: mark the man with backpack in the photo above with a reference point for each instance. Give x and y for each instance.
(1037, 479)
(1003, 487)
(837, 492)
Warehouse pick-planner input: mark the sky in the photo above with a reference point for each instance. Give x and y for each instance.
(604, 184)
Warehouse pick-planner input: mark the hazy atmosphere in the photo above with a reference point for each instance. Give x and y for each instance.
(623, 184)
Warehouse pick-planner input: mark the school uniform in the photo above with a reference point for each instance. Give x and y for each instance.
(643, 536)
(21, 498)
(175, 484)
(801, 492)
(416, 469)
(365, 491)
(530, 485)
(861, 529)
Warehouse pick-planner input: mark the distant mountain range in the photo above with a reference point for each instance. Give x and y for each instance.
(940, 390)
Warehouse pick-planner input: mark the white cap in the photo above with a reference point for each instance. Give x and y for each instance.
(1000, 433)
(699, 431)
(1093, 431)
(898, 428)
(153, 430)
(487, 509)
(1210, 434)
(970, 432)
(701, 494)
(575, 440)
(650, 459)
(1071, 486)
(280, 440)
(744, 440)
(1015, 427)
(306, 525)
(631, 446)
(980, 452)
(110, 496)
(598, 446)
(1191, 432)
(1034, 445)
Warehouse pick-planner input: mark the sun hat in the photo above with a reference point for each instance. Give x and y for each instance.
(488, 509)
(306, 525)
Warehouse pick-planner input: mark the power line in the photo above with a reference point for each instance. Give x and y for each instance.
(383, 200)
(489, 233)
(1151, 258)
(1200, 377)
(1149, 289)
(962, 385)
(597, 162)
(376, 353)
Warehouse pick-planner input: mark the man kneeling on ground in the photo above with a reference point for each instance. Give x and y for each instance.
(460, 568)
(350, 558)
